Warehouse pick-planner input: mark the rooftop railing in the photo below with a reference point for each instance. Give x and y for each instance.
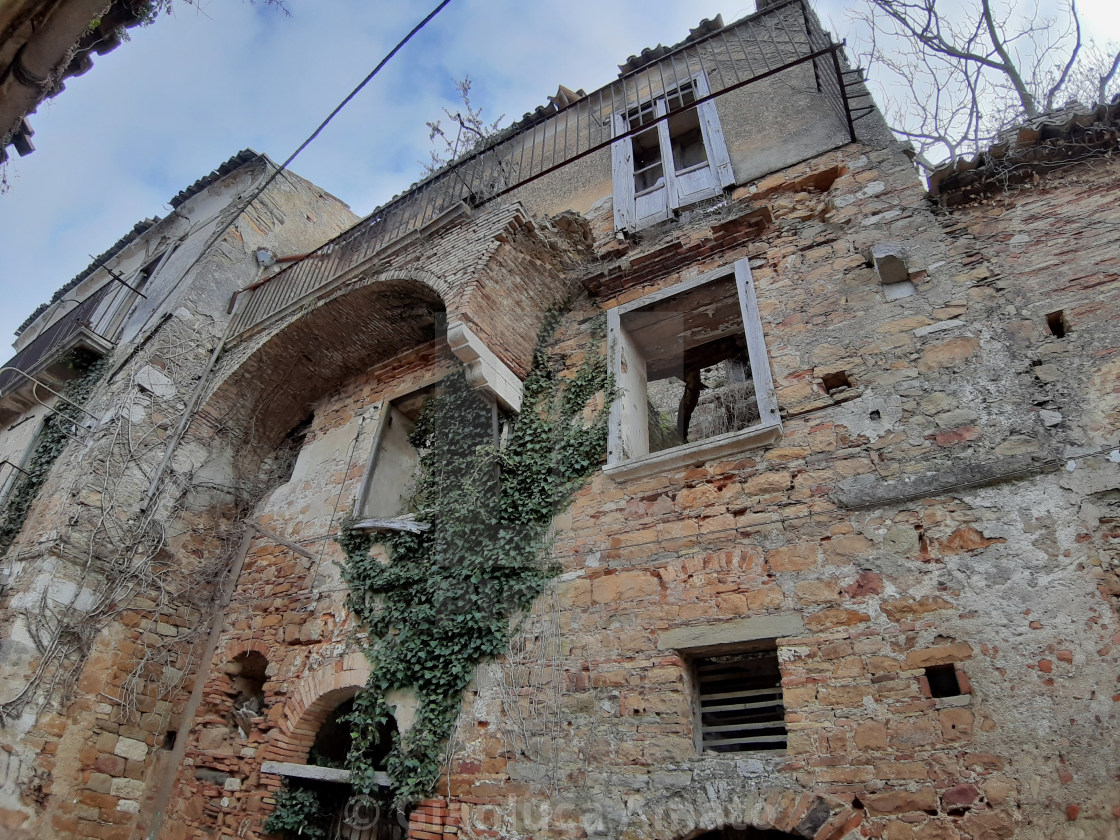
(757, 47)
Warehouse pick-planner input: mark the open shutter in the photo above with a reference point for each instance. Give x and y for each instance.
(622, 175)
(756, 345)
(713, 135)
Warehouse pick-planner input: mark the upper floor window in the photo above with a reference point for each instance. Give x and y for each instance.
(694, 379)
(671, 163)
(389, 481)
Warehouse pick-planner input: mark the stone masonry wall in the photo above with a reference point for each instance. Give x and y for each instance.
(954, 504)
(870, 522)
(107, 615)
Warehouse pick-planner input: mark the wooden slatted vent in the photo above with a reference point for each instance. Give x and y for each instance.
(741, 705)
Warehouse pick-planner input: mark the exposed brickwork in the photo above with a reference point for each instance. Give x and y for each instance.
(953, 505)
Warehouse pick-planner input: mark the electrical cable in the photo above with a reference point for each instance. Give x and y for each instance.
(344, 102)
(188, 412)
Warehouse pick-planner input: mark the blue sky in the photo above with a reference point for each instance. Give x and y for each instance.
(218, 76)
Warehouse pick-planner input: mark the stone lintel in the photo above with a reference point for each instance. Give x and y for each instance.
(701, 637)
(312, 771)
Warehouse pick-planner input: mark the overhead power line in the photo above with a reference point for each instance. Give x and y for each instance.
(346, 101)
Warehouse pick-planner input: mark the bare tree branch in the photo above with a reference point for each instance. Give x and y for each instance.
(1106, 78)
(1073, 54)
(951, 82)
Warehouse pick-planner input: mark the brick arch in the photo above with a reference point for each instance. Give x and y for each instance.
(315, 697)
(243, 648)
(800, 814)
(267, 385)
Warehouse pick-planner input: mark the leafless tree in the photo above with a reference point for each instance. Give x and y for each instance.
(954, 73)
(469, 127)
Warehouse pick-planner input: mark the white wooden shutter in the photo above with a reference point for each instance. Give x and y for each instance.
(622, 175)
(714, 143)
(756, 346)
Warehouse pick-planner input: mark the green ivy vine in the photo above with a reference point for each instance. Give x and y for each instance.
(56, 433)
(298, 813)
(445, 599)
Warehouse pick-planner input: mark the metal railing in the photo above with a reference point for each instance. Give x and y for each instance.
(757, 47)
(54, 338)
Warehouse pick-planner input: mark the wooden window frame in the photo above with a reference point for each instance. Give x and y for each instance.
(501, 418)
(628, 452)
(622, 159)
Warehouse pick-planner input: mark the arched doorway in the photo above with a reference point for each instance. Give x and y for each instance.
(342, 813)
(746, 833)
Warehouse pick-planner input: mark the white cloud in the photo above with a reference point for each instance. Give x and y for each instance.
(209, 80)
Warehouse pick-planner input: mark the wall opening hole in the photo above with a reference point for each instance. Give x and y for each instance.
(333, 740)
(169, 739)
(835, 381)
(875, 414)
(287, 453)
(1056, 323)
(943, 681)
(247, 674)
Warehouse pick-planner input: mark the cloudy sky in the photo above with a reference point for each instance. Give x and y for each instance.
(218, 76)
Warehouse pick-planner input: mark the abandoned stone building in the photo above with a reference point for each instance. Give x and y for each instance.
(831, 471)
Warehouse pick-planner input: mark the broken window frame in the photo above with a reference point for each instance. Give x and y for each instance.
(633, 208)
(501, 419)
(628, 452)
(386, 413)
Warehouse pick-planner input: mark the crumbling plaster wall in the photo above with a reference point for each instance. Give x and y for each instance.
(125, 586)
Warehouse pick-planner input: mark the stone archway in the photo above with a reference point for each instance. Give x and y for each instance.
(317, 696)
(729, 810)
(746, 833)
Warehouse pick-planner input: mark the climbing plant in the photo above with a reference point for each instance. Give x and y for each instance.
(444, 600)
(58, 429)
(298, 813)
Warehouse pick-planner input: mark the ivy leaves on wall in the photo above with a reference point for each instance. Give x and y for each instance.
(444, 601)
(298, 813)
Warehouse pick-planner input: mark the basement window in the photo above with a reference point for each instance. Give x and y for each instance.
(694, 379)
(671, 162)
(739, 704)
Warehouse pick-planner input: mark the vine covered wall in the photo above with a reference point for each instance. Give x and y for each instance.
(443, 599)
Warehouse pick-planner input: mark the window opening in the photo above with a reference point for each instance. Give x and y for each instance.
(247, 672)
(943, 681)
(740, 705)
(1056, 323)
(389, 476)
(677, 161)
(394, 459)
(691, 365)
